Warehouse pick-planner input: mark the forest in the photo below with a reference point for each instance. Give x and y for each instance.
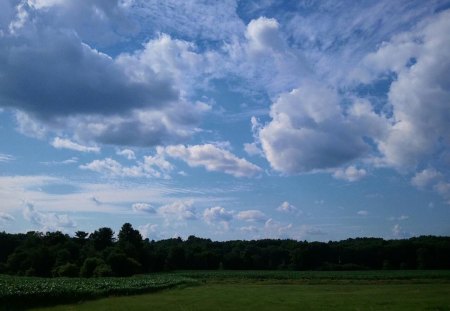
(102, 253)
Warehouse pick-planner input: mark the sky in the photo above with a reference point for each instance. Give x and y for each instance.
(308, 120)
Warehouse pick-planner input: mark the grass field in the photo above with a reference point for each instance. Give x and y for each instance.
(242, 290)
(280, 297)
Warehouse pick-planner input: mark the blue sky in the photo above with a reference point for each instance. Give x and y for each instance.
(311, 120)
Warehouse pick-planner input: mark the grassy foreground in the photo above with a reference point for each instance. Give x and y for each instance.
(234, 290)
(262, 297)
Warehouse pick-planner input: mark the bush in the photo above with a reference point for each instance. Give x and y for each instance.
(102, 270)
(67, 270)
(89, 265)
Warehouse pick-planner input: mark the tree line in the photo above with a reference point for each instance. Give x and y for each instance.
(102, 254)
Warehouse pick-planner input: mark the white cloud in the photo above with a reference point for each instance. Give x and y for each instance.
(47, 221)
(275, 229)
(420, 93)
(399, 232)
(362, 213)
(6, 157)
(62, 143)
(213, 159)
(150, 231)
(263, 35)
(143, 207)
(425, 178)
(179, 210)
(308, 132)
(252, 216)
(217, 214)
(127, 153)
(152, 166)
(351, 173)
(286, 207)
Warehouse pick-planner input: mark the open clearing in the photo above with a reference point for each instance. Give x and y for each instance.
(278, 290)
(242, 296)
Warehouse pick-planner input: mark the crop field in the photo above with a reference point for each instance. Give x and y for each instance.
(234, 290)
(19, 292)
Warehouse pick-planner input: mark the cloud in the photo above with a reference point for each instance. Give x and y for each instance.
(152, 166)
(179, 210)
(6, 217)
(362, 213)
(6, 157)
(213, 159)
(149, 231)
(399, 232)
(217, 214)
(276, 229)
(351, 173)
(62, 143)
(252, 216)
(308, 132)
(127, 153)
(58, 82)
(143, 207)
(286, 207)
(419, 94)
(425, 178)
(47, 221)
(263, 35)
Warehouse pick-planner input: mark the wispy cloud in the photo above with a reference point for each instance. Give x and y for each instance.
(63, 143)
(6, 157)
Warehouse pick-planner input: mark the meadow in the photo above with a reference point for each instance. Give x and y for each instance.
(234, 290)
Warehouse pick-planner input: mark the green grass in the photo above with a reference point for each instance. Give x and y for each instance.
(235, 290)
(243, 296)
(392, 276)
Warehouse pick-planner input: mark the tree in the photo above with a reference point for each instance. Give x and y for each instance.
(102, 238)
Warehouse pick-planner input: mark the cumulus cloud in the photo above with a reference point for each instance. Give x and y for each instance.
(62, 143)
(252, 216)
(47, 221)
(399, 232)
(213, 159)
(152, 166)
(143, 207)
(263, 35)
(308, 132)
(351, 173)
(179, 210)
(136, 98)
(425, 178)
(275, 229)
(217, 214)
(420, 93)
(286, 207)
(149, 231)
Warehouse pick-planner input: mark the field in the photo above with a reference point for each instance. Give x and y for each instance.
(237, 290)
